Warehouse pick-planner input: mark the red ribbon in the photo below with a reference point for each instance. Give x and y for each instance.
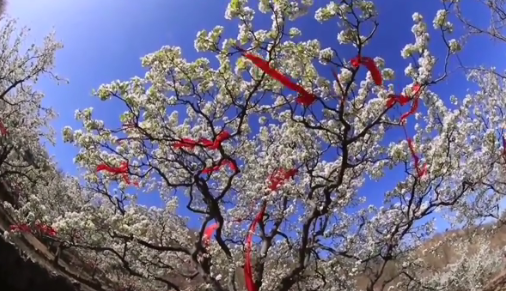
(217, 143)
(123, 169)
(305, 98)
(186, 143)
(371, 66)
(279, 177)
(47, 230)
(190, 143)
(248, 272)
(420, 171)
(128, 125)
(504, 147)
(3, 129)
(120, 170)
(401, 99)
(21, 228)
(211, 170)
(414, 106)
(209, 232)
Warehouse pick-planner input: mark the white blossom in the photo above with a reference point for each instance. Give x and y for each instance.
(320, 231)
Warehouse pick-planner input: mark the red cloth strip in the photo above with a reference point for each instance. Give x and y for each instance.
(248, 272)
(123, 169)
(185, 143)
(414, 106)
(305, 98)
(211, 170)
(420, 171)
(401, 99)
(3, 129)
(44, 229)
(190, 143)
(504, 147)
(371, 66)
(279, 177)
(209, 232)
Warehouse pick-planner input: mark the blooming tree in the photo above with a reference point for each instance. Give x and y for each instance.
(489, 100)
(235, 148)
(471, 271)
(26, 170)
(23, 120)
(495, 30)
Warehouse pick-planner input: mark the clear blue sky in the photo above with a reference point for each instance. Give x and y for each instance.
(104, 40)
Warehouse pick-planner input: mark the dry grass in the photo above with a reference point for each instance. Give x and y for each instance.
(445, 255)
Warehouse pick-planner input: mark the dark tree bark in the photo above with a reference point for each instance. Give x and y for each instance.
(3, 4)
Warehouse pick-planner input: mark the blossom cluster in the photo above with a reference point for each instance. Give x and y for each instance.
(270, 157)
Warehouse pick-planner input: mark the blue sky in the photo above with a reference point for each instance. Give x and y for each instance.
(105, 39)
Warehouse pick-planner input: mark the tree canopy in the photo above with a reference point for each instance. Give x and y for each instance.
(267, 139)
